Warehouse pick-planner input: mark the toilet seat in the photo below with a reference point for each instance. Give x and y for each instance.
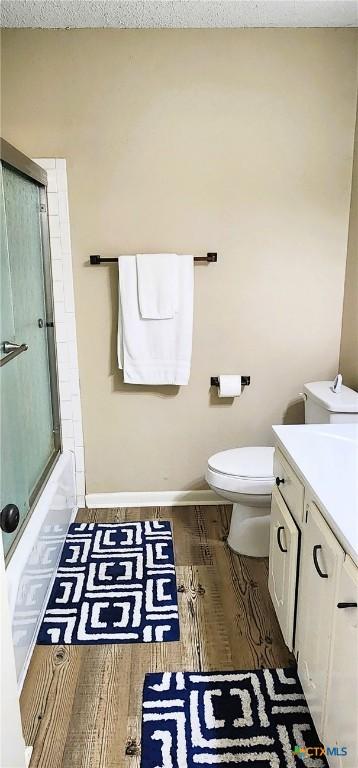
(242, 470)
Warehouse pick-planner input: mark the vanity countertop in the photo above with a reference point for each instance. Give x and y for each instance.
(325, 456)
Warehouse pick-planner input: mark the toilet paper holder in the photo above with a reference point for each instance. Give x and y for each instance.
(214, 381)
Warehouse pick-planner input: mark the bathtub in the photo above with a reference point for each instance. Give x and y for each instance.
(32, 567)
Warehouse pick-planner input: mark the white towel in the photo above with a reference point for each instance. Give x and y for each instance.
(157, 285)
(155, 351)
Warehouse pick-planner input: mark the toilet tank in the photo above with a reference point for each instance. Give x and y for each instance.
(323, 406)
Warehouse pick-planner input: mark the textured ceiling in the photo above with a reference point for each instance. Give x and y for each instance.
(179, 13)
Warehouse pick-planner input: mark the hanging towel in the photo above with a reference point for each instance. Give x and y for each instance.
(155, 351)
(120, 322)
(157, 285)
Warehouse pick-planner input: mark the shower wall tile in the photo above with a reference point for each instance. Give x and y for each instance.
(47, 163)
(77, 425)
(65, 321)
(62, 355)
(57, 270)
(61, 332)
(76, 408)
(80, 465)
(69, 302)
(75, 387)
(68, 444)
(52, 181)
(67, 410)
(67, 428)
(54, 226)
(64, 377)
(72, 355)
(69, 295)
(58, 291)
(65, 392)
(70, 326)
(80, 483)
(65, 244)
(53, 206)
(60, 315)
(56, 252)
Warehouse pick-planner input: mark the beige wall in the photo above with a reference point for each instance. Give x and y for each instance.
(238, 141)
(349, 342)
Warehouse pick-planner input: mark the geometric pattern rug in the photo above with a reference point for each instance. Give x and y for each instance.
(257, 718)
(114, 584)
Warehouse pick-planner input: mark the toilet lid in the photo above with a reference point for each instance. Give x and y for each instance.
(244, 462)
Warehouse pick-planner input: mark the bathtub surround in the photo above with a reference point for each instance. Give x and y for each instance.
(238, 141)
(64, 308)
(32, 568)
(208, 718)
(114, 584)
(12, 748)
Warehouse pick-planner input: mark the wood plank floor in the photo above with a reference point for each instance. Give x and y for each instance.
(81, 705)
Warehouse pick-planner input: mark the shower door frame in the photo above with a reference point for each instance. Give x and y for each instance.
(16, 160)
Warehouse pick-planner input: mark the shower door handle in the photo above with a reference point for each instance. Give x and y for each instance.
(11, 350)
(9, 519)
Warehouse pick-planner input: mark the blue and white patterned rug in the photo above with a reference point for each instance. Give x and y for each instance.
(257, 718)
(114, 584)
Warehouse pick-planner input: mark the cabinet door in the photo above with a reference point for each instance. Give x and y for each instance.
(284, 536)
(321, 561)
(341, 724)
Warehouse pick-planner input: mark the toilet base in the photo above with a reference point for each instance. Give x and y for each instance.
(250, 530)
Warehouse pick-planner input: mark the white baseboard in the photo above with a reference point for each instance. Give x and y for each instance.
(152, 499)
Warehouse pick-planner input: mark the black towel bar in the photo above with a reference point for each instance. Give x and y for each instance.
(96, 259)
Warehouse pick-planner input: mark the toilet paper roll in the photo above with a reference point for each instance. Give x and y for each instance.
(229, 385)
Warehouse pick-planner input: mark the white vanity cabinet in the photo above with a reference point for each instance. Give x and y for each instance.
(313, 583)
(320, 564)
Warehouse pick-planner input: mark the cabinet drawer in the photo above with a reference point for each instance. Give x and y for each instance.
(291, 488)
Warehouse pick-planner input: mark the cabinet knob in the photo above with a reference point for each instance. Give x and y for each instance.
(279, 480)
(347, 605)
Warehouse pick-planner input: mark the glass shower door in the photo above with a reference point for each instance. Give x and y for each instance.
(13, 486)
(29, 428)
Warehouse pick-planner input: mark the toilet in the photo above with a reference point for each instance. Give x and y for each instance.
(245, 476)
